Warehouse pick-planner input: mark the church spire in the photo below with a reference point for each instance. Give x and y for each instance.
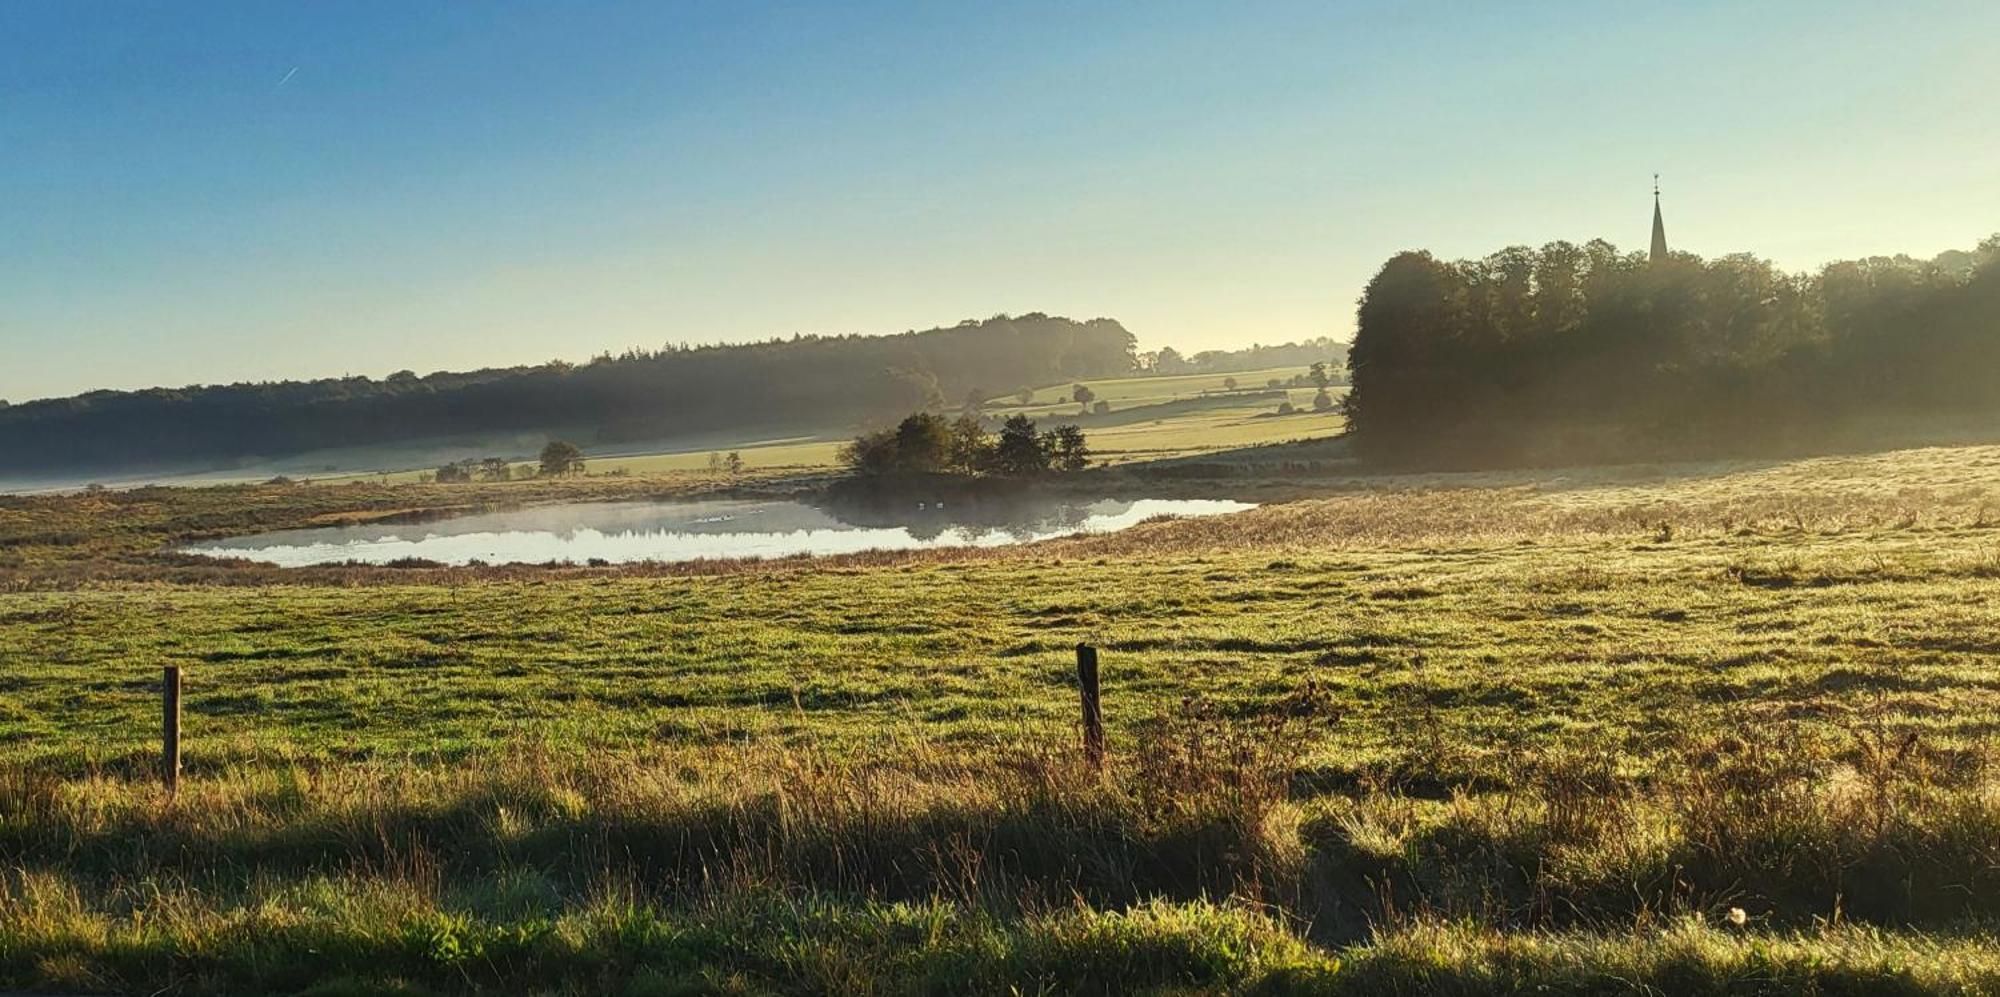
(1659, 225)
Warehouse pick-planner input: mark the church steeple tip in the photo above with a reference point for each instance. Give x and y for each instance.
(1659, 225)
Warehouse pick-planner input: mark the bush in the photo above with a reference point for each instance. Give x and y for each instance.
(870, 453)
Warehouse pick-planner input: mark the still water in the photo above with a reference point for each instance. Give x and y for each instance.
(681, 531)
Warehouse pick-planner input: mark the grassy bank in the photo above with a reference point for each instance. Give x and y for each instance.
(1446, 733)
(395, 944)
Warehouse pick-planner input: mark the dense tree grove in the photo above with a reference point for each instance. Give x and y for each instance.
(802, 382)
(924, 443)
(1582, 352)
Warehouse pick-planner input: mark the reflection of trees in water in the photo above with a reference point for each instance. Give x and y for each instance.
(928, 529)
(1021, 515)
(1072, 516)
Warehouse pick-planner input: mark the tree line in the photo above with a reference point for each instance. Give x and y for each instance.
(927, 443)
(1257, 356)
(558, 459)
(1572, 352)
(805, 382)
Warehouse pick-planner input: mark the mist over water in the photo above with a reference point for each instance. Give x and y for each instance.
(623, 532)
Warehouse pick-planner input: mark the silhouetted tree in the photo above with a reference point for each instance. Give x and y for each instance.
(923, 443)
(1020, 451)
(1067, 449)
(970, 450)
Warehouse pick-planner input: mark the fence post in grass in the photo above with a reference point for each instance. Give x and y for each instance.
(1093, 709)
(170, 729)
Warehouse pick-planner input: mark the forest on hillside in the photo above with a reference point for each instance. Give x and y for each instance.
(797, 383)
(1584, 353)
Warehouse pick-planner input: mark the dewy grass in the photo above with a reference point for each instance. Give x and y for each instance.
(375, 940)
(1427, 734)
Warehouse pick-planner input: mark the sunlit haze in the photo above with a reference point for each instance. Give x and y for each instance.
(215, 192)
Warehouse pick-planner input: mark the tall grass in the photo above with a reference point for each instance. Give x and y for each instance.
(1007, 866)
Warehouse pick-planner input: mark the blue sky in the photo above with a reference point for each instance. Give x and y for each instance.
(216, 191)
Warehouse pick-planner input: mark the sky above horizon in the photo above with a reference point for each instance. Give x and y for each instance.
(246, 191)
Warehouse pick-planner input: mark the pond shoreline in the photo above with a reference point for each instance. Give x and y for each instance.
(708, 527)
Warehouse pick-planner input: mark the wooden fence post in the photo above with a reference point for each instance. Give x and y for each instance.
(170, 729)
(1093, 707)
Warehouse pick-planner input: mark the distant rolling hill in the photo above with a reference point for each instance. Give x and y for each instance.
(802, 382)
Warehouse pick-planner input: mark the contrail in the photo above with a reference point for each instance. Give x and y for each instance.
(289, 73)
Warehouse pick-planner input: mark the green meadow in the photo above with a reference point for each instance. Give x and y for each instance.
(1207, 419)
(1717, 728)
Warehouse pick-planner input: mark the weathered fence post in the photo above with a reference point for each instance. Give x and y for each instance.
(1093, 708)
(170, 729)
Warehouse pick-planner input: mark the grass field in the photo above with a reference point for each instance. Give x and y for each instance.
(1126, 392)
(1223, 427)
(1697, 729)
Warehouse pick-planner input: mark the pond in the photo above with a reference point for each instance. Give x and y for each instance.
(618, 532)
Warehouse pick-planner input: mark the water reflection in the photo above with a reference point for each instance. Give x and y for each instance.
(619, 532)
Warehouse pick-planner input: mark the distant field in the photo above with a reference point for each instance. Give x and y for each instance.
(1223, 427)
(1215, 429)
(1507, 732)
(1123, 392)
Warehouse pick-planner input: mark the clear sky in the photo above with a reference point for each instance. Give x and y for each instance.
(198, 192)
